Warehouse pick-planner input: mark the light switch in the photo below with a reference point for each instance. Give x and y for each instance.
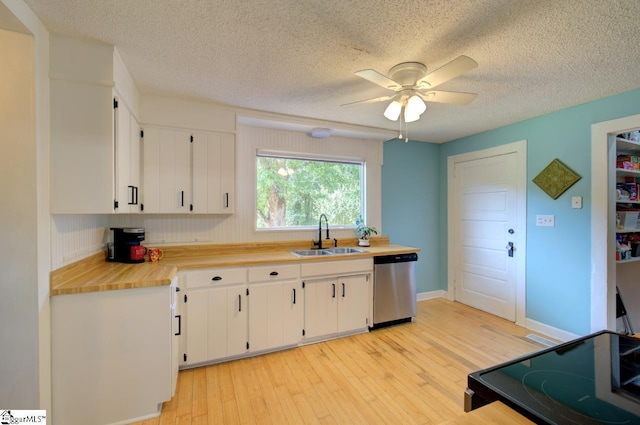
(545, 220)
(576, 202)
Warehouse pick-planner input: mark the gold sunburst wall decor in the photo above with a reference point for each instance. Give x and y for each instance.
(556, 178)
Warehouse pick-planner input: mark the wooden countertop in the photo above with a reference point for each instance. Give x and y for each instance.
(95, 274)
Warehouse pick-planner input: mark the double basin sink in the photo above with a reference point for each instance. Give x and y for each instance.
(327, 251)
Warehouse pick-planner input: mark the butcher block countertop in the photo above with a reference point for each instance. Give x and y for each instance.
(95, 274)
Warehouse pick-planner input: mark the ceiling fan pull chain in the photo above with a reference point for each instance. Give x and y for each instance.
(406, 132)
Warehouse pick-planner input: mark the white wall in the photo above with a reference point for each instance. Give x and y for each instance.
(25, 251)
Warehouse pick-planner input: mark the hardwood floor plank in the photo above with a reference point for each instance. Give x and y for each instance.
(199, 403)
(414, 373)
(215, 414)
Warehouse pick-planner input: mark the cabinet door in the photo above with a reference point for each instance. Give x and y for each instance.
(134, 164)
(237, 320)
(259, 315)
(175, 188)
(197, 308)
(293, 313)
(127, 160)
(352, 303)
(213, 172)
(275, 314)
(227, 173)
(217, 323)
(124, 194)
(321, 308)
(166, 168)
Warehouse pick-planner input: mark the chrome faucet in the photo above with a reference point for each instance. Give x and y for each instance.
(319, 243)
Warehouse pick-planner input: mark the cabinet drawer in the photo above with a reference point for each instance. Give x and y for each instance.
(275, 272)
(337, 268)
(217, 277)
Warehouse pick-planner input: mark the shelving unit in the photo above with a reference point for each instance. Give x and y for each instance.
(627, 147)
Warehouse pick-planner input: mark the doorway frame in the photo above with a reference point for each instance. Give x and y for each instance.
(520, 149)
(603, 265)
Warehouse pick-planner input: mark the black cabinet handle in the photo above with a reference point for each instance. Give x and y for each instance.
(343, 289)
(177, 289)
(333, 290)
(226, 199)
(182, 198)
(131, 191)
(239, 303)
(294, 295)
(273, 274)
(216, 278)
(136, 191)
(179, 317)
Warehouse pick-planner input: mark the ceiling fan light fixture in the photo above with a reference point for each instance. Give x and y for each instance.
(409, 117)
(393, 111)
(415, 106)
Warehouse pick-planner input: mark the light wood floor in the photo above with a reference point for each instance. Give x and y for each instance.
(413, 373)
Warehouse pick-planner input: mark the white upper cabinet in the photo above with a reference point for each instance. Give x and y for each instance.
(187, 171)
(166, 170)
(213, 173)
(83, 77)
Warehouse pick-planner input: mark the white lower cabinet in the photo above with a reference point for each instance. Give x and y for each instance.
(234, 312)
(335, 305)
(113, 354)
(276, 306)
(216, 315)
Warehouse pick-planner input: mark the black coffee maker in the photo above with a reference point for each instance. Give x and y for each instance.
(126, 245)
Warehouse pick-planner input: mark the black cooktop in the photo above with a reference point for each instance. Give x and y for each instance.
(592, 380)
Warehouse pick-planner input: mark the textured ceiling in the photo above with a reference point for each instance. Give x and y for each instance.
(298, 57)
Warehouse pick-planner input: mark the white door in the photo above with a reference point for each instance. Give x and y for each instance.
(487, 242)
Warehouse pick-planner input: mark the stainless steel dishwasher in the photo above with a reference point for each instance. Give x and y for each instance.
(394, 289)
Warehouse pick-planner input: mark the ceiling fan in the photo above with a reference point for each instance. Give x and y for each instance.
(412, 86)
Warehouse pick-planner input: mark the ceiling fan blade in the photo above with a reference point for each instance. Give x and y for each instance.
(376, 78)
(449, 71)
(377, 99)
(440, 96)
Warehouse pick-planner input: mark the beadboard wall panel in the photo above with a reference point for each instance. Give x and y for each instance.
(77, 236)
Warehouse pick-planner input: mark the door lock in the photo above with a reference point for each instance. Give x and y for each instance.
(510, 249)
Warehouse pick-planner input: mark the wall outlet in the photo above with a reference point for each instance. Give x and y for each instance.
(576, 202)
(546, 220)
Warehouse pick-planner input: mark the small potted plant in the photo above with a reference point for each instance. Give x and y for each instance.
(364, 232)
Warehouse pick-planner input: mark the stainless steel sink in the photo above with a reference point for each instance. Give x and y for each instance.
(310, 252)
(328, 251)
(345, 250)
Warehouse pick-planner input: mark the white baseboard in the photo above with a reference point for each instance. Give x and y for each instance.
(534, 325)
(550, 331)
(421, 296)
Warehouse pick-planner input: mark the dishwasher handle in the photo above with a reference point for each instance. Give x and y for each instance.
(398, 258)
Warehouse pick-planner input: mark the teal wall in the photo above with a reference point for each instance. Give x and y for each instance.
(410, 196)
(558, 266)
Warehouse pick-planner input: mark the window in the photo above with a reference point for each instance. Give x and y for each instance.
(292, 191)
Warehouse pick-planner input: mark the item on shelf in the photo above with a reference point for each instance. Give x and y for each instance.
(632, 136)
(627, 219)
(628, 162)
(626, 191)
